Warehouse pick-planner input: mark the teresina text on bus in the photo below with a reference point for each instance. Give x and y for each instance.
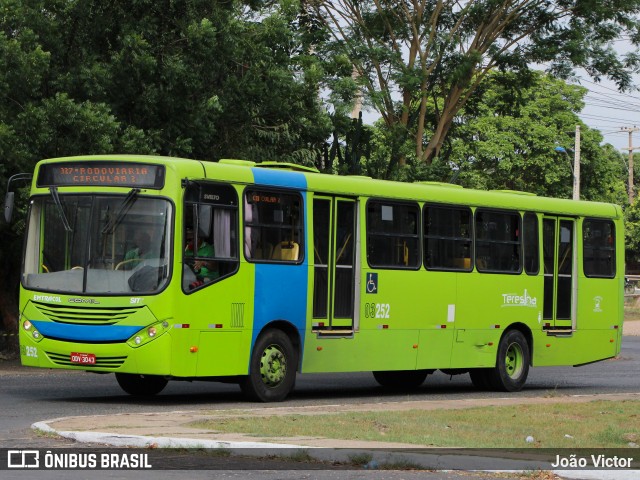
(517, 300)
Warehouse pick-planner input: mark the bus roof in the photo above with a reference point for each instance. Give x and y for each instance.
(429, 192)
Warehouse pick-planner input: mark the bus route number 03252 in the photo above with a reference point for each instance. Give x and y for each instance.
(377, 310)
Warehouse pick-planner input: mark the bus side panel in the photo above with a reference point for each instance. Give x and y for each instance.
(223, 353)
(368, 350)
(434, 348)
(598, 306)
(487, 305)
(437, 302)
(211, 334)
(585, 346)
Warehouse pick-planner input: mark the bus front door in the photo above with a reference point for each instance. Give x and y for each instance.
(558, 240)
(334, 240)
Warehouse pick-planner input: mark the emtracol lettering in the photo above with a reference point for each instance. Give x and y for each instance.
(46, 298)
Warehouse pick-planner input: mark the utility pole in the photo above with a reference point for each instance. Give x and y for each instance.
(576, 166)
(631, 148)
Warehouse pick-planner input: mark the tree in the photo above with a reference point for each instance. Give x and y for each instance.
(190, 78)
(506, 138)
(196, 78)
(408, 54)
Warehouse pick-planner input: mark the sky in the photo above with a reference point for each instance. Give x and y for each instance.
(609, 111)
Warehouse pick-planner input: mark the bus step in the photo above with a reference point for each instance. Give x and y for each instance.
(334, 333)
(559, 332)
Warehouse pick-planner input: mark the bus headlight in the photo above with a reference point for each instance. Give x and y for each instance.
(147, 334)
(30, 328)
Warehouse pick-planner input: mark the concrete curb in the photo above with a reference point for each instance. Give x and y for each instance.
(141, 441)
(376, 459)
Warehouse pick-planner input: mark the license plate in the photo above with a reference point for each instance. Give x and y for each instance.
(83, 358)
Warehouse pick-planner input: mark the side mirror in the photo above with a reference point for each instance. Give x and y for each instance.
(9, 200)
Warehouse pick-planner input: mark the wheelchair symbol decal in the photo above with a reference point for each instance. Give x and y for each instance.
(372, 283)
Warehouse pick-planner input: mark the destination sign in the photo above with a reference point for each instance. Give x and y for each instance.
(106, 173)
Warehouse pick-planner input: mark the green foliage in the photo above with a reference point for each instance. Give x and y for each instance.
(507, 139)
(632, 234)
(185, 78)
(409, 54)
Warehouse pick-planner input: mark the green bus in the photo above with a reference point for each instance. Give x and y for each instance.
(160, 269)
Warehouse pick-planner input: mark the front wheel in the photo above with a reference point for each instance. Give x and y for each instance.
(141, 385)
(512, 363)
(272, 371)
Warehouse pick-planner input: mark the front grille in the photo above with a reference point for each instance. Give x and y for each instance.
(83, 315)
(103, 362)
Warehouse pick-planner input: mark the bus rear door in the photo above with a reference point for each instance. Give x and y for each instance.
(558, 240)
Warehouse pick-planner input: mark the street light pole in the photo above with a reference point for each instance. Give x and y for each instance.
(631, 148)
(575, 168)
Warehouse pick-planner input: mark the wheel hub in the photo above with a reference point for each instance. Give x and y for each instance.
(514, 360)
(273, 366)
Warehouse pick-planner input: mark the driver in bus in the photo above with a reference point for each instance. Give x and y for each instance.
(205, 270)
(141, 250)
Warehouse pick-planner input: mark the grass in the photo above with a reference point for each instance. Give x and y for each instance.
(598, 424)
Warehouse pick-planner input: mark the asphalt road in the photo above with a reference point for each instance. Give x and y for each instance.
(31, 395)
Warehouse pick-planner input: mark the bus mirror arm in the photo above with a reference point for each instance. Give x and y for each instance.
(9, 199)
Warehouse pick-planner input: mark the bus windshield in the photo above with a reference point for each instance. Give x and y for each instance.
(97, 244)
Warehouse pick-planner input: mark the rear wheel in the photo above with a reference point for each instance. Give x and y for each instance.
(272, 371)
(512, 363)
(401, 379)
(141, 385)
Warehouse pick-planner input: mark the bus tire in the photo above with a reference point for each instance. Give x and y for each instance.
(272, 370)
(141, 385)
(512, 363)
(401, 379)
(480, 377)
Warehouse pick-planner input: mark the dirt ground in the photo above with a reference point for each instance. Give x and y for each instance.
(631, 328)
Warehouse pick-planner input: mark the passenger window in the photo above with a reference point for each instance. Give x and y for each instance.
(210, 250)
(498, 241)
(273, 226)
(598, 245)
(392, 234)
(447, 238)
(531, 244)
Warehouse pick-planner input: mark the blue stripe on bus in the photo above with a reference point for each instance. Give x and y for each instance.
(281, 289)
(280, 294)
(279, 178)
(85, 333)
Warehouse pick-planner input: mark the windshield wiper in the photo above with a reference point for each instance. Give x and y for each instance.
(56, 200)
(126, 204)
